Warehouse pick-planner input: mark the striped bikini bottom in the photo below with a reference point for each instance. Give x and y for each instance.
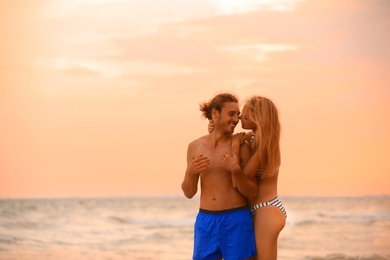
(274, 202)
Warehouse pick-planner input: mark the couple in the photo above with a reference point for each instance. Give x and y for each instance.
(239, 175)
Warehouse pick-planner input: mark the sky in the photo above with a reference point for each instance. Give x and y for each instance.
(101, 98)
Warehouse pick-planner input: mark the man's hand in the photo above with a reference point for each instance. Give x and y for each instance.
(230, 163)
(198, 164)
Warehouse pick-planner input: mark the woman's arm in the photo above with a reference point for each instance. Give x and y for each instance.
(251, 165)
(246, 186)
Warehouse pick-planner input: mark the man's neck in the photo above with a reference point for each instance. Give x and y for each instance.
(218, 137)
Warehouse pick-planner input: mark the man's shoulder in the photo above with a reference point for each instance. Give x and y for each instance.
(198, 141)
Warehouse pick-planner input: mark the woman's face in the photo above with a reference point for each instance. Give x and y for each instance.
(246, 123)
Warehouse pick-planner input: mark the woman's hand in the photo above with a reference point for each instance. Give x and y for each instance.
(210, 126)
(239, 138)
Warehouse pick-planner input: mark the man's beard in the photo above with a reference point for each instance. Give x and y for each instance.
(226, 129)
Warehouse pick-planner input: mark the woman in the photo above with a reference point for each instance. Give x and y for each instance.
(260, 115)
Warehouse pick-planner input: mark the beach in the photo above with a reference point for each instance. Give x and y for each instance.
(162, 228)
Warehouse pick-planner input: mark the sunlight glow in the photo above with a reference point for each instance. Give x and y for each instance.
(258, 51)
(242, 6)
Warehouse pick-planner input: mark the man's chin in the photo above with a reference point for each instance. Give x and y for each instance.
(231, 130)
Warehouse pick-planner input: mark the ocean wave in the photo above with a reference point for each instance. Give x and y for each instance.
(150, 223)
(308, 222)
(21, 224)
(119, 220)
(361, 217)
(138, 228)
(318, 218)
(345, 257)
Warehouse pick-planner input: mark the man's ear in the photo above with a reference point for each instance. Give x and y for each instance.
(214, 114)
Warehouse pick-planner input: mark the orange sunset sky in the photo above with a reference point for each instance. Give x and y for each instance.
(101, 97)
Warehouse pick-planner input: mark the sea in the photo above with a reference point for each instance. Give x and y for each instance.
(161, 228)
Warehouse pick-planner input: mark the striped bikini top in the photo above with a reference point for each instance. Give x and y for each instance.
(259, 172)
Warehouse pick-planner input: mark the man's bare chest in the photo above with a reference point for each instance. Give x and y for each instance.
(214, 154)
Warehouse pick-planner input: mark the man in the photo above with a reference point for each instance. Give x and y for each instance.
(223, 227)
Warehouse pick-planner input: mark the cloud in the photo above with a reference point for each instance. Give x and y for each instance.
(237, 7)
(158, 68)
(257, 52)
(75, 68)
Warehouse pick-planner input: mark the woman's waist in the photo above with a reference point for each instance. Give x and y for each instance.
(263, 198)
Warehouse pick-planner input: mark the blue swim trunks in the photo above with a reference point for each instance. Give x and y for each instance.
(227, 233)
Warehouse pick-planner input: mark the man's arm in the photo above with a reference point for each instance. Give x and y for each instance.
(195, 164)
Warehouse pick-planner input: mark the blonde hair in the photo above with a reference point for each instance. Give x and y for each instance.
(267, 135)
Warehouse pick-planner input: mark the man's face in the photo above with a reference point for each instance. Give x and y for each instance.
(228, 118)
